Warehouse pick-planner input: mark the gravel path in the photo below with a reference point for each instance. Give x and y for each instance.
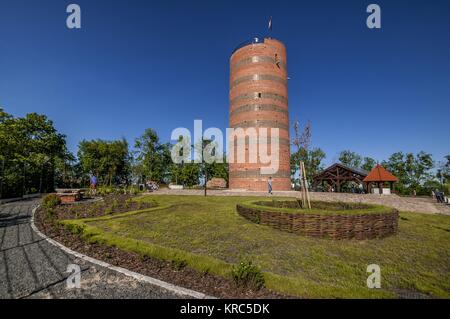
(31, 267)
(405, 204)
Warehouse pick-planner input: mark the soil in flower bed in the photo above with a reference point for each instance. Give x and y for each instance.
(164, 270)
(110, 204)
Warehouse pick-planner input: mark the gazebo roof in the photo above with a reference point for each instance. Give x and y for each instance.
(380, 174)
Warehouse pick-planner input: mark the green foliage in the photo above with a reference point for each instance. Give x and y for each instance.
(312, 159)
(179, 264)
(30, 148)
(105, 190)
(219, 170)
(368, 164)
(114, 204)
(186, 174)
(109, 160)
(350, 159)
(76, 228)
(413, 171)
(51, 201)
(248, 275)
(153, 159)
(109, 210)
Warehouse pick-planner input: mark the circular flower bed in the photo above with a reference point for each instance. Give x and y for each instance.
(325, 219)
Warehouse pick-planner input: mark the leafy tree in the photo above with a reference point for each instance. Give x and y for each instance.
(350, 159)
(108, 160)
(186, 174)
(413, 171)
(445, 168)
(312, 160)
(29, 149)
(153, 159)
(215, 165)
(368, 164)
(219, 170)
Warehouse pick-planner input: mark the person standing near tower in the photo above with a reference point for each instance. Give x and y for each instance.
(269, 183)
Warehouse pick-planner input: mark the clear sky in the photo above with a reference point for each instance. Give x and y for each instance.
(163, 64)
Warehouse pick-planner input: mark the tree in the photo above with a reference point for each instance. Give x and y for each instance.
(445, 168)
(312, 160)
(368, 164)
(350, 159)
(29, 149)
(153, 159)
(443, 174)
(108, 160)
(413, 171)
(186, 174)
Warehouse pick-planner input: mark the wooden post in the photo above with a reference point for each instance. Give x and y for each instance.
(307, 190)
(307, 201)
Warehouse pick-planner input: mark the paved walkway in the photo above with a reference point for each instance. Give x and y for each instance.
(31, 267)
(408, 204)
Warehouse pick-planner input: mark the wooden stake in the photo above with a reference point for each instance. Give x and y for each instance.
(306, 192)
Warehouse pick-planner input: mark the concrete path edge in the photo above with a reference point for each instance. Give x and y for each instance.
(183, 292)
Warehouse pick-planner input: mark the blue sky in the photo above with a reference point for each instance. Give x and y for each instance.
(163, 64)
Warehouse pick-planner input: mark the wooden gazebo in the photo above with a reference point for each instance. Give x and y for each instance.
(379, 176)
(338, 174)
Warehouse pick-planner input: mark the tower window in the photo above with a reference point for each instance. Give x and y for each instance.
(277, 61)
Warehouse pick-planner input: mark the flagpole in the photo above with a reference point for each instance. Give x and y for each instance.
(270, 28)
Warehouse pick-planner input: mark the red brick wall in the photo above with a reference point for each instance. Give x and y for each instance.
(258, 61)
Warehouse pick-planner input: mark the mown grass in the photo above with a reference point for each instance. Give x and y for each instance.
(210, 236)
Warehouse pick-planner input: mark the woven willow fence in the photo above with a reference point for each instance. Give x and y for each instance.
(336, 227)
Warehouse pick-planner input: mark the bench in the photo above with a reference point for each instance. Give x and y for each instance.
(69, 195)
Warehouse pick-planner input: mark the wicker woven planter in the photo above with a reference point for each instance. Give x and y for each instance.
(336, 225)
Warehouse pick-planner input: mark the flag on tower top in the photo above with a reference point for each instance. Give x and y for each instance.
(270, 24)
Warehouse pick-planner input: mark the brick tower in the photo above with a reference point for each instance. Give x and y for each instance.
(259, 99)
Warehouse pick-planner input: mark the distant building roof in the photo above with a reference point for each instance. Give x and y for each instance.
(355, 170)
(380, 174)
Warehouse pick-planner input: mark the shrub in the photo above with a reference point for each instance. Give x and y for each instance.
(76, 229)
(105, 190)
(248, 275)
(115, 204)
(51, 201)
(179, 264)
(50, 213)
(133, 190)
(109, 210)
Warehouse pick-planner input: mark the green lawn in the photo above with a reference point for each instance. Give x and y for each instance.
(211, 236)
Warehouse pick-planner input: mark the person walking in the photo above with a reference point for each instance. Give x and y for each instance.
(93, 185)
(269, 183)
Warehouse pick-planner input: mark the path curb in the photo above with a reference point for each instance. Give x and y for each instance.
(182, 292)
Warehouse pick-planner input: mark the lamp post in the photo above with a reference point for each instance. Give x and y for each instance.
(204, 165)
